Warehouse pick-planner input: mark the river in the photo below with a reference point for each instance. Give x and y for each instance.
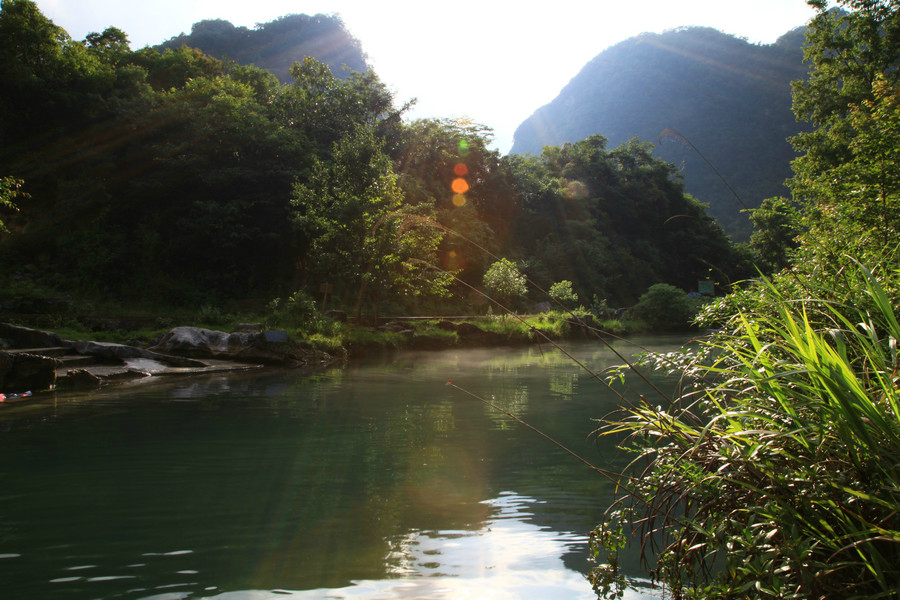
(375, 480)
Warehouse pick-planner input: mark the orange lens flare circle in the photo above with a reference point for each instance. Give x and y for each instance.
(459, 186)
(460, 169)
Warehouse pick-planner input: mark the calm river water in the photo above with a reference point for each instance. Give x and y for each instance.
(370, 481)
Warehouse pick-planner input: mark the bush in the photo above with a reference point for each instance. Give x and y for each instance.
(778, 475)
(562, 292)
(664, 307)
(298, 310)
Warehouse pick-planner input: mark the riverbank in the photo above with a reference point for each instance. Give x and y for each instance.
(36, 359)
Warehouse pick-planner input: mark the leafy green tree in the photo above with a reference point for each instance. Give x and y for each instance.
(845, 179)
(562, 292)
(776, 227)
(504, 281)
(357, 235)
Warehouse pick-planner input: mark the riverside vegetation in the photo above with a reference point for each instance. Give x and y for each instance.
(774, 473)
(164, 180)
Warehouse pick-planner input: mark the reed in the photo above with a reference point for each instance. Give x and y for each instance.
(777, 473)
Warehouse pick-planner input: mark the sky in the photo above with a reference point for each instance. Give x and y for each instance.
(492, 61)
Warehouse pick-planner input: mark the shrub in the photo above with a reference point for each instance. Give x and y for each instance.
(298, 310)
(664, 307)
(562, 292)
(778, 475)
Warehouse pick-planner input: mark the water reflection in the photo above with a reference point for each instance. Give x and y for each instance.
(372, 481)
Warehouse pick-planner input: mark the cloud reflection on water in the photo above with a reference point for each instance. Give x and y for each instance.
(508, 558)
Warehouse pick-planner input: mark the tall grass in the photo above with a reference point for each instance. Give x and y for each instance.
(777, 474)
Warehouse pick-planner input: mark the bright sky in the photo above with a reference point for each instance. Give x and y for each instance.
(494, 61)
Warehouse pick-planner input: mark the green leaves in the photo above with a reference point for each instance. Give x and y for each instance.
(504, 281)
(779, 475)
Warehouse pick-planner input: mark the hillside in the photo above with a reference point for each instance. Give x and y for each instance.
(730, 98)
(275, 45)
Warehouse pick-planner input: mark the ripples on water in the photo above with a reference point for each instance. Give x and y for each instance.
(369, 482)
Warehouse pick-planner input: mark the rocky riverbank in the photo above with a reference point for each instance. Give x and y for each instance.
(34, 360)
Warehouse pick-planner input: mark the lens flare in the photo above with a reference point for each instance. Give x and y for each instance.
(460, 169)
(460, 185)
(459, 200)
(463, 147)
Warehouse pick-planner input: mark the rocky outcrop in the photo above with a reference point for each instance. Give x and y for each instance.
(23, 337)
(121, 353)
(271, 347)
(27, 363)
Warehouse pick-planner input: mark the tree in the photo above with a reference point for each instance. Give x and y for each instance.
(562, 292)
(845, 180)
(504, 281)
(776, 227)
(355, 231)
(435, 154)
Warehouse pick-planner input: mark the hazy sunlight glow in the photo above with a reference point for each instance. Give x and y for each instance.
(514, 58)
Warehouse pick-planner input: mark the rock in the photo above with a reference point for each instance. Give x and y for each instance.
(542, 307)
(80, 379)
(28, 372)
(120, 353)
(465, 330)
(446, 325)
(202, 343)
(428, 342)
(273, 347)
(23, 337)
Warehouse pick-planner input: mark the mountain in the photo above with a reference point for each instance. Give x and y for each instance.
(277, 44)
(729, 99)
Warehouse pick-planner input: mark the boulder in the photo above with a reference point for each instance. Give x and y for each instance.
(120, 353)
(80, 379)
(27, 372)
(23, 337)
(274, 347)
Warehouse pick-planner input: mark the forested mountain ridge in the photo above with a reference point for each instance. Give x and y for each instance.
(729, 98)
(277, 44)
(181, 179)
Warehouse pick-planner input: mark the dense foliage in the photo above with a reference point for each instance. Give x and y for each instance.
(169, 176)
(614, 222)
(729, 98)
(775, 472)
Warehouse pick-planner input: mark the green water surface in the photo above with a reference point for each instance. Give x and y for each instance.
(368, 481)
